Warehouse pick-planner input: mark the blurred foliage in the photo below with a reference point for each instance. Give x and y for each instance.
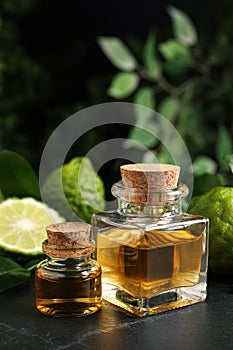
(20, 78)
(187, 82)
(40, 80)
(49, 70)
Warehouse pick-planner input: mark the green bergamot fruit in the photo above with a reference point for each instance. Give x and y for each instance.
(23, 225)
(217, 205)
(79, 194)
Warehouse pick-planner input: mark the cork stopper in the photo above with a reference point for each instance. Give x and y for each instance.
(68, 240)
(148, 176)
(147, 184)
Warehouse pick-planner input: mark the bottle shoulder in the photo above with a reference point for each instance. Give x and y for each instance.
(62, 266)
(115, 218)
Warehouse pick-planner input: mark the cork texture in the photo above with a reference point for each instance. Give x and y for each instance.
(148, 176)
(68, 234)
(68, 240)
(63, 252)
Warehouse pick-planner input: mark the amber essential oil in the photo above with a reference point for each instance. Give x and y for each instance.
(151, 263)
(68, 282)
(66, 293)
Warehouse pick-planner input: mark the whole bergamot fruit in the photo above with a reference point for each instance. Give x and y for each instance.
(75, 190)
(217, 205)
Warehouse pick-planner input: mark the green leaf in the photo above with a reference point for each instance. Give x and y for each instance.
(141, 136)
(11, 274)
(150, 59)
(17, 178)
(224, 145)
(1, 197)
(183, 28)
(118, 53)
(164, 157)
(144, 97)
(32, 264)
(123, 84)
(229, 161)
(204, 183)
(169, 107)
(204, 165)
(172, 49)
(176, 68)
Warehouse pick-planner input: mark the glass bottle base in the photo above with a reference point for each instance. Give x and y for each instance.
(66, 308)
(169, 300)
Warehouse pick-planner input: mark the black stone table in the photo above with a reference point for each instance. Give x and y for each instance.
(207, 325)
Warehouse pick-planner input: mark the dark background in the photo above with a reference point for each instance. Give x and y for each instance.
(52, 66)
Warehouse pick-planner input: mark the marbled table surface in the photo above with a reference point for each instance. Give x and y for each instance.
(207, 325)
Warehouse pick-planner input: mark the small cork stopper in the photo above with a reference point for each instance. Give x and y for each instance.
(148, 176)
(68, 240)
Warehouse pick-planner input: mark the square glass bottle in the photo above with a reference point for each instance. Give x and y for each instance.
(153, 256)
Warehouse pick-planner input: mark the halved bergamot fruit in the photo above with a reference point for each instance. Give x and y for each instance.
(23, 225)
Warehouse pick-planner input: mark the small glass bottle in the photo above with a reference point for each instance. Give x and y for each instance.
(68, 282)
(153, 256)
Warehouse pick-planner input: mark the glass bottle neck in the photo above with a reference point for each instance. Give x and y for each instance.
(126, 208)
(68, 262)
(155, 203)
